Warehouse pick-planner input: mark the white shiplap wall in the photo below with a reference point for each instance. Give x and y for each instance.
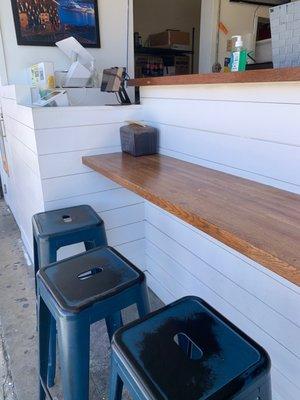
(181, 260)
(24, 196)
(63, 137)
(45, 149)
(247, 130)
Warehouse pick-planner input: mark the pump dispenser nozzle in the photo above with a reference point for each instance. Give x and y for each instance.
(239, 41)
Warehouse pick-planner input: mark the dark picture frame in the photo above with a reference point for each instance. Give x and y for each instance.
(44, 22)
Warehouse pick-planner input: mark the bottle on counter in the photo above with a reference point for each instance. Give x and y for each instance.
(227, 64)
(238, 59)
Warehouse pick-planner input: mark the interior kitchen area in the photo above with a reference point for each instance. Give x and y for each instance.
(150, 205)
(169, 36)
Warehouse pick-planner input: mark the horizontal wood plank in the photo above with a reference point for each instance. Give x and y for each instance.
(259, 221)
(264, 75)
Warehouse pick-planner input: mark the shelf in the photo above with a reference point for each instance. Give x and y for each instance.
(257, 66)
(260, 222)
(258, 76)
(161, 51)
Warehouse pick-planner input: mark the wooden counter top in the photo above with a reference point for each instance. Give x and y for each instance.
(257, 76)
(259, 221)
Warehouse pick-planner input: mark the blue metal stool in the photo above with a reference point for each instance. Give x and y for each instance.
(77, 292)
(188, 351)
(58, 228)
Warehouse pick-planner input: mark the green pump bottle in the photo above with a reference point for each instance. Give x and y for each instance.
(238, 59)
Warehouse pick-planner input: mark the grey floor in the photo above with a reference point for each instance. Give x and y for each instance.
(18, 337)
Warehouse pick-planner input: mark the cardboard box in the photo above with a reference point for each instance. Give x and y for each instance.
(170, 39)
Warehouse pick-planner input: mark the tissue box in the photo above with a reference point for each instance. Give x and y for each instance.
(139, 140)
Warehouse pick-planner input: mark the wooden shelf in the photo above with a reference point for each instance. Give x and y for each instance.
(259, 221)
(257, 76)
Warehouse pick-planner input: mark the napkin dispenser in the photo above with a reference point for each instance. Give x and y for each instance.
(138, 139)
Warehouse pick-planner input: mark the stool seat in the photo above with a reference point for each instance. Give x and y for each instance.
(75, 293)
(188, 351)
(79, 282)
(57, 222)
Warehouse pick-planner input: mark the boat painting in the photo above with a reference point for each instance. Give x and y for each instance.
(73, 6)
(44, 22)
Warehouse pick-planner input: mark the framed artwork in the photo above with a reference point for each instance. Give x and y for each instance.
(44, 22)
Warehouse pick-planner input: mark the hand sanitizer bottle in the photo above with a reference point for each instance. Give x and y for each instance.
(238, 56)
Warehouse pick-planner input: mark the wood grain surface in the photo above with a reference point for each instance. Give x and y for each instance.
(259, 221)
(257, 76)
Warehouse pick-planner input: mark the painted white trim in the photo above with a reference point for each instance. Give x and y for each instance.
(3, 70)
(130, 40)
(208, 35)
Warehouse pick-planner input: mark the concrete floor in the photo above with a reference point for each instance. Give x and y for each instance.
(18, 336)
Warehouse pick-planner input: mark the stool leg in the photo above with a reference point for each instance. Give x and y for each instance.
(143, 303)
(48, 256)
(36, 261)
(115, 384)
(113, 322)
(36, 268)
(74, 347)
(44, 330)
(100, 238)
(89, 246)
(52, 354)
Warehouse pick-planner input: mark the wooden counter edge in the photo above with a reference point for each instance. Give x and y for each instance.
(267, 260)
(256, 76)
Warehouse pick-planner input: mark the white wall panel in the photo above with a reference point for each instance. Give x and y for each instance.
(60, 117)
(181, 260)
(27, 156)
(123, 216)
(207, 249)
(246, 130)
(275, 324)
(233, 171)
(47, 145)
(135, 252)
(69, 163)
(18, 112)
(262, 121)
(21, 132)
(126, 234)
(25, 187)
(255, 156)
(75, 185)
(78, 138)
(100, 201)
(157, 287)
(264, 92)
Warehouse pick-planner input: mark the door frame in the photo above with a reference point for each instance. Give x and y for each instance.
(3, 69)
